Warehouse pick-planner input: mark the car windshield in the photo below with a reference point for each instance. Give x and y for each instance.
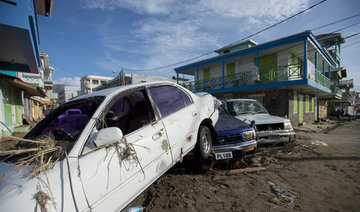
(245, 107)
(68, 121)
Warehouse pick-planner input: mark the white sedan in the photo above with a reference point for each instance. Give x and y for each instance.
(123, 139)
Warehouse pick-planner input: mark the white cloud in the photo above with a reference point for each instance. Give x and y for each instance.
(68, 81)
(169, 31)
(276, 9)
(139, 6)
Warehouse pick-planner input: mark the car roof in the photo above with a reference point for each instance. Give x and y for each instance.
(234, 100)
(118, 89)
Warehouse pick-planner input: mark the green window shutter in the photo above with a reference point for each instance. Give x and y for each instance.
(312, 104)
(206, 73)
(295, 103)
(307, 104)
(230, 69)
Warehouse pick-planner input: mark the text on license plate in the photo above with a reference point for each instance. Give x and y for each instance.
(223, 155)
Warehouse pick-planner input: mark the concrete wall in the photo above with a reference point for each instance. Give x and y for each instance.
(280, 102)
(11, 107)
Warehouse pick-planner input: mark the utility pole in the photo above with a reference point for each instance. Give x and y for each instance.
(122, 76)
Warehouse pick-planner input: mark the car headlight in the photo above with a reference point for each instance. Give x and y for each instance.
(248, 135)
(287, 126)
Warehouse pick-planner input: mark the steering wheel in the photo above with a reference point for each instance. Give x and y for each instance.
(61, 133)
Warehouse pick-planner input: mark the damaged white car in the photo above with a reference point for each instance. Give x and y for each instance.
(270, 130)
(115, 142)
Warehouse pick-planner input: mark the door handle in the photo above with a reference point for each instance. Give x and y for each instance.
(157, 135)
(194, 113)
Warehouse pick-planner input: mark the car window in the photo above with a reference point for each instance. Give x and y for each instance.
(185, 97)
(245, 107)
(168, 99)
(129, 112)
(66, 123)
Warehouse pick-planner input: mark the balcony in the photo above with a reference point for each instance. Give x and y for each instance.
(336, 91)
(281, 73)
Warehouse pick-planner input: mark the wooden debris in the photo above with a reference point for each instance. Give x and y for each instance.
(251, 169)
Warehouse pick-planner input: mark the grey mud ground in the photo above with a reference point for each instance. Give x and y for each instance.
(322, 178)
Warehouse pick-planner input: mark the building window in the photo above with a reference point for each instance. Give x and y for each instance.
(103, 82)
(95, 82)
(307, 104)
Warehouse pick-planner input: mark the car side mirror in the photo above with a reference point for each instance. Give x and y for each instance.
(233, 113)
(108, 136)
(252, 123)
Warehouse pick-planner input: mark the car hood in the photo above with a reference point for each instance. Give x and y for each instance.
(261, 118)
(12, 179)
(229, 123)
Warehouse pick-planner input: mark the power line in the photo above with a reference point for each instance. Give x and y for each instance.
(335, 22)
(346, 27)
(352, 35)
(247, 37)
(351, 44)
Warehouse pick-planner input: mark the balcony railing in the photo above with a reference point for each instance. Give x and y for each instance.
(280, 73)
(322, 79)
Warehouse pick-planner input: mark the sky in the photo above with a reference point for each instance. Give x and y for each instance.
(100, 37)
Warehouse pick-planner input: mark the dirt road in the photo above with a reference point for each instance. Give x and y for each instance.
(320, 173)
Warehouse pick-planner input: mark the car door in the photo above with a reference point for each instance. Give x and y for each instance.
(113, 175)
(179, 116)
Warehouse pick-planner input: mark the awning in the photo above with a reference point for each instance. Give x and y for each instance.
(33, 90)
(46, 101)
(343, 102)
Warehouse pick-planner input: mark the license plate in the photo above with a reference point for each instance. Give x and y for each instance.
(223, 155)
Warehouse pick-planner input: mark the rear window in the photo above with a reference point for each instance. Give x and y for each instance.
(168, 99)
(185, 97)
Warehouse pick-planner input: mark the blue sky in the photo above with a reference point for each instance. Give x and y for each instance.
(100, 36)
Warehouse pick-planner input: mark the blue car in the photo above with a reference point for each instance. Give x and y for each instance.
(235, 139)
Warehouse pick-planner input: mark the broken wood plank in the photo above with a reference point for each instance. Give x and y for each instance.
(251, 169)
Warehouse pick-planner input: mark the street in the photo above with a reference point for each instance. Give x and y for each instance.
(319, 173)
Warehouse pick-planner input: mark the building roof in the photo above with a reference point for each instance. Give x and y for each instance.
(30, 88)
(267, 45)
(249, 41)
(96, 77)
(44, 7)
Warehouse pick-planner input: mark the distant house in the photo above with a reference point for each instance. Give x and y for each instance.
(19, 56)
(66, 92)
(131, 79)
(89, 82)
(287, 75)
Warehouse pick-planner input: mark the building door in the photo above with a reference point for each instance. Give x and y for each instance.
(301, 108)
(230, 69)
(7, 106)
(267, 68)
(206, 74)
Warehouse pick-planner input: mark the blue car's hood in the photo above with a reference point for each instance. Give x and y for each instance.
(228, 123)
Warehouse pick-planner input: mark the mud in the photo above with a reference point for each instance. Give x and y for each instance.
(324, 178)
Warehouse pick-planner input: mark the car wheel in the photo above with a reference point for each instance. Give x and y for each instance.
(204, 143)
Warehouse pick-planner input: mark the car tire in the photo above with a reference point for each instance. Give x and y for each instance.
(204, 143)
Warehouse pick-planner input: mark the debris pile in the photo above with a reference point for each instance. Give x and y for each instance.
(38, 155)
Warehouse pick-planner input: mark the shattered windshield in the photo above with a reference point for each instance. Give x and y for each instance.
(51, 139)
(68, 121)
(245, 107)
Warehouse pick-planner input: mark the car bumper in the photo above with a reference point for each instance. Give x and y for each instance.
(273, 137)
(239, 150)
